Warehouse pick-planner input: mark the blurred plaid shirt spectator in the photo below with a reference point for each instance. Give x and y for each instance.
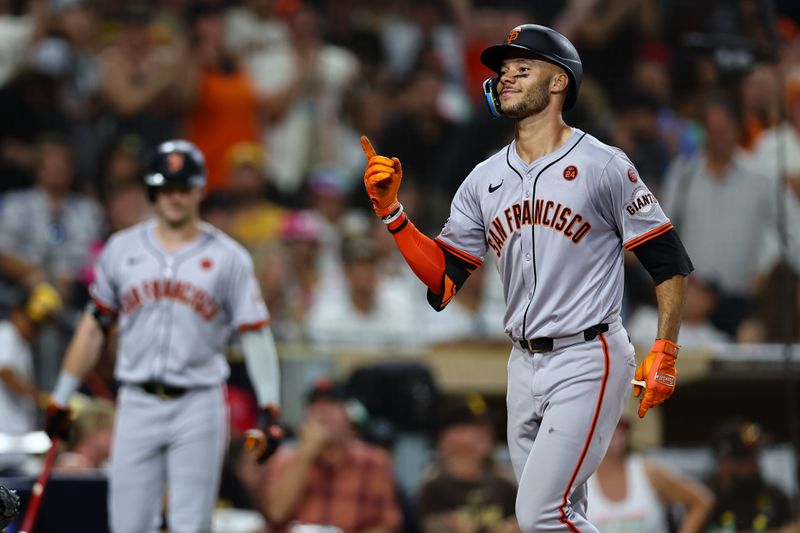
(331, 477)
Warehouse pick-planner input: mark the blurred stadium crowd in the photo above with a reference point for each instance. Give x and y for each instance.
(704, 97)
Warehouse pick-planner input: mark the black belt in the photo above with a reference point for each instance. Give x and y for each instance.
(162, 390)
(545, 344)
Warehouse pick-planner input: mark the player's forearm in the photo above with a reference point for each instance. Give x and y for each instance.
(670, 295)
(261, 358)
(421, 253)
(84, 350)
(82, 355)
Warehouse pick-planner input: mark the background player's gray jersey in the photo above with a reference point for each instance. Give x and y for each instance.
(177, 309)
(536, 219)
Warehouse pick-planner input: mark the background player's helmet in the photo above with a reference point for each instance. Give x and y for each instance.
(175, 162)
(544, 42)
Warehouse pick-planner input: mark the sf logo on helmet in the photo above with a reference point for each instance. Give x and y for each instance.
(175, 162)
(512, 35)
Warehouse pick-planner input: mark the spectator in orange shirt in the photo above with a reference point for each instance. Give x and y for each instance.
(222, 108)
(330, 477)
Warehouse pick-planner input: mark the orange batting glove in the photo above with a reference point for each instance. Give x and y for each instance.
(382, 179)
(658, 375)
(263, 441)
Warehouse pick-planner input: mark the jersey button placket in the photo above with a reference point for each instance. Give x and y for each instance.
(166, 316)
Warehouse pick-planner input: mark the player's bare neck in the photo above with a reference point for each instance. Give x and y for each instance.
(539, 135)
(174, 237)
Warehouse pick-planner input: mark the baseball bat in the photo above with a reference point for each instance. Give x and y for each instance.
(38, 489)
(642, 383)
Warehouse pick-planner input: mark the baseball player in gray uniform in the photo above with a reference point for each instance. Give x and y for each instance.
(557, 208)
(177, 288)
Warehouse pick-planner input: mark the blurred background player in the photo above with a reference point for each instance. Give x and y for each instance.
(178, 289)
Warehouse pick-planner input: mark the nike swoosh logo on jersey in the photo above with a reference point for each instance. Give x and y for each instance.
(135, 259)
(493, 188)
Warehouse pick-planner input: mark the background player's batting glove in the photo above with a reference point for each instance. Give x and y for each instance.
(262, 442)
(658, 373)
(9, 507)
(57, 421)
(382, 179)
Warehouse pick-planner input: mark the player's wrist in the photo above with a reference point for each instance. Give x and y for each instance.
(65, 385)
(666, 346)
(393, 212)
(387, 211)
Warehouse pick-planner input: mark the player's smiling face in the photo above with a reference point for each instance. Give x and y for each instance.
(525, 86)
(177, 205)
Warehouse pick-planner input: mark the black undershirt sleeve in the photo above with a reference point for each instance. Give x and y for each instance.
(104, 320)
(664, 257)
(456, 272)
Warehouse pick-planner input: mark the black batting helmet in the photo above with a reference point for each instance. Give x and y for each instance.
(546, 43)
(176, 161)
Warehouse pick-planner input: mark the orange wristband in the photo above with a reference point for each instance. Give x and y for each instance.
(666, 346)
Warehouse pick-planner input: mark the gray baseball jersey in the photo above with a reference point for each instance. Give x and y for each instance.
(558, 228)
(176, 311)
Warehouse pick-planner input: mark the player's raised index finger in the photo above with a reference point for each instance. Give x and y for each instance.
(367, 147)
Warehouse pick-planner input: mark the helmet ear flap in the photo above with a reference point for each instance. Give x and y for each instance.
(492, 98)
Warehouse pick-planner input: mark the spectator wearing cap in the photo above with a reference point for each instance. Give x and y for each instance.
(330, 477)
(465, 491)
(365, 311)
(631, 493)
(745, 502)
